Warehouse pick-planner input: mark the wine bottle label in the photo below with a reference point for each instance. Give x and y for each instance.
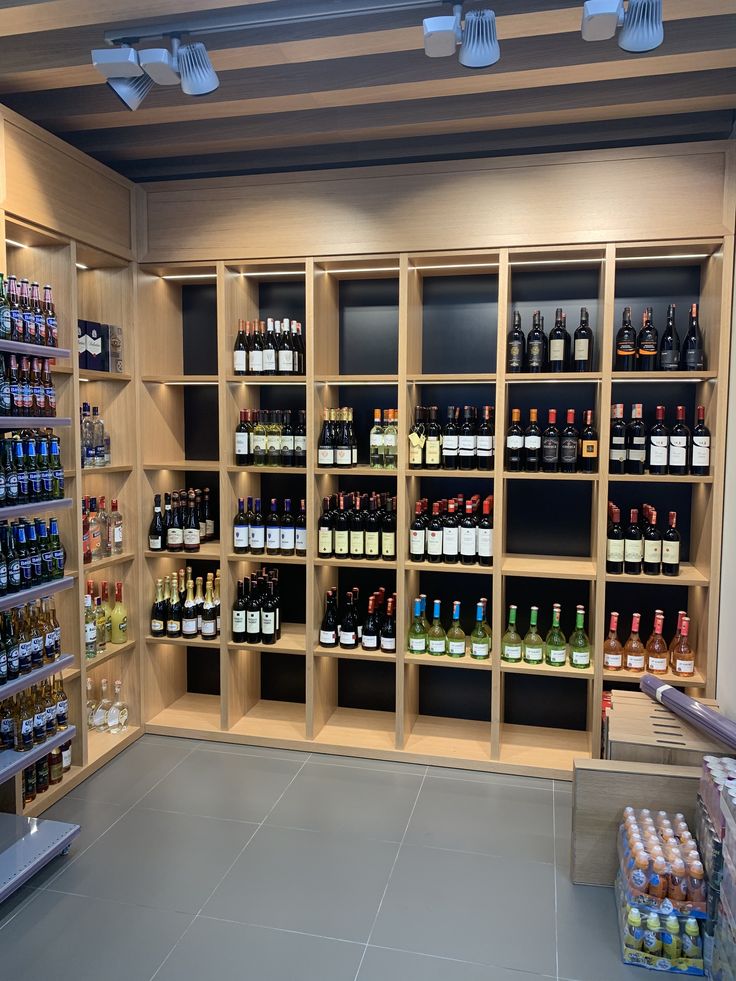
(286, 362)
(268, 622)
(326, 456)
(618, 449)
(342, 542)
(615, 550)
(467, 445)
(479, 649)
(637, 449)
(701, 451)
(324, 541)
(556, 350)
(348, 638)
(173, 628)
(532, 442)
(535, 353)
(369, 642)
(568, 449)
(648, 352)
(694, 360)
(255, 360)
(485, 543)
(300, 444)
(450, 541)
(240, 536)
(90, 633)
(417, 645)
(415, 453)
(241, 444)
(416, 541)
(287, 539)
(239, 360)
(634, 662)
(209, 628)
(273, 537)
(437, 645)
(589, 449)
(613, 660)
(388, 545)
(652, 551)
(532, 654)
(174, 536)
(556, 655)
(258, 442)
(633, 550)
(376, 439)
(484, 445)
(372, 542)
(269, 359)
(580, 659)
(467, 541)
(655, 663)
(157, 626)
(388, 643)
(189, 624)
(581, 349)
(684, 667)
(514, 442)
(550, 449)
(456, 647)
(625, 347)
(328, 637)
(191, 536)
(357, 543)
(450, 445)
(301, 539)
(511, 652)
(252, 621)
(669, 360)
(154, 543)
(432, 451)
(678, 451)
(658, 451)
(434, 541)
(515, 355)
(257, 537)
(670, 552)
(343, 456)
(273, 443)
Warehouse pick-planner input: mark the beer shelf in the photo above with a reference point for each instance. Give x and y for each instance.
(10, 688)
(10, 600)
(34, 422)
(35, 350)
(12, 762)
(33, 506)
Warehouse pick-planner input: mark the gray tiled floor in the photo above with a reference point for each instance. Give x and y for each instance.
(246, 864)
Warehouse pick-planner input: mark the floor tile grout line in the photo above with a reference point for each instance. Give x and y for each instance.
(391, 872)
(460, 960)
(279, 929)
(554, 880)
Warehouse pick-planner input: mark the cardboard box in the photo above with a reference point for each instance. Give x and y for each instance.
(115, 355)
(82, 343)
(97, 345)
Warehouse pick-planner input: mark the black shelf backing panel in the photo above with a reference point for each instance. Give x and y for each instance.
(670, 394)
(548, 517)
(455, 693)
(283, 677)
(199, 340)
(471, 482)
(282, 299)
(280, 397)
(561, 396)
(657, 287)
(539, 700)
(543, 593)
(460, 324)
(369, 327)
(203, 667)
(448, 587)
(460, 395)
(366, 685)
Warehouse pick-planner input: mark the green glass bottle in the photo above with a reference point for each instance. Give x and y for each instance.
(479, 646)
(511, 640)
(533, 650)
(456, 634)
(579, 643)
(436, 637)
(417, 643)
(555, 645)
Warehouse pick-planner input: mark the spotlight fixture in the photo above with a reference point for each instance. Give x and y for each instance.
(476, 37)
(132, 91)
(160, 64)
(198, 77)
(117, 62)
(641, 23)
(601, 18)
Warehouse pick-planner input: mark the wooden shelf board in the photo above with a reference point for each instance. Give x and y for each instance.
(111, 650)
(34, 422)
(523, 475)
(362, 470)
(357, 655)
(35, 350)
(11, 600)
(438, 379)
(293, 640)
(16, 510)
(208, 550)
(206, 466)
(116, 377)
(102, 746)
(455, 739)
(110, 560)
(539, 750)
(474, 570)
(213, 644)
(663, 376)
(362, 728)
(656, 478)
(268, 559)
(180, 379)
(192, 713)
(101, 471)
(266, 380)
(356, 380)
(563, 671)
(456, 474)
(273, 720)
(548, 567)
(63, 663)
(445, 661)
(12, 761)
(689, 576)
(43, 801)
(347, 563)
(553, 376)
(634, 677)
(282, 471)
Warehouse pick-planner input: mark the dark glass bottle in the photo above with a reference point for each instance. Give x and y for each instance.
(636, 442)
(257, 531)
(369, 636)
(328, 627)
(484, 440)
(372, 531)
(388, 628)
(647, 343)
(617, 446)
(242, 455)
(325, 539)
(300, 439)
(238, 615)
(701, 445)
(240, 530)
(652, 561)
(669, 345)
(559, 344)
(417, 536)
(467, 459)
(434, 535)
(357, 532)
(680, 445)
(569, 445)
(468, 537)
(192, 529)
(693, 353)
(349, 625)
(588, 444)
(269, 350)
(659, 441)
(532, 444)
(671, 548)
(388, 531)
(240, 351)
(341, 526)
(433, 443)
(159, 612)
(625, 359)
(300, 530)
(582, 344)
(253, 615)
(269, 615)
(273, 529)
(450, 444)
(633, 546)
(615, 544)
(485, 533)
(417, 439)
(326, 447)
(536, 345)
(287, 531)
(450, 535)
(174, 529)
(551, 444)
(514, 443)
(515, 346)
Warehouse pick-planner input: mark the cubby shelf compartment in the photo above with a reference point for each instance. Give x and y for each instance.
(270, 719)
(11, 600)
(207, 550)
(689, 576)
(32, 507)
(548, 567)
(192, 714)
(292, 641)
(443, 738)
(34, 422)
(348, 563)
(656, 478)
(524, 475)
(11, 688)
(359, 728)
(357, 655)
(194, 465)
(35, 350)
(473, 570)
(670, 678)
(268, 559)
(111, 650)
(543, 751)
(12, 762)
(563, 671)
(213, 644)
(109, 560)
(668, 377)
(102, 746)
(444, 661)
(117, 377)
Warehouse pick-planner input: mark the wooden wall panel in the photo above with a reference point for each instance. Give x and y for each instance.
(576, 198)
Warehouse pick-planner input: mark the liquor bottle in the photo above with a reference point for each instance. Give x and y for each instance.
(102, 709)
(625, 359)
(456, 634)
(652, 562)
(117, 715)
(485, 534)
(636, 442)
(436, 636)
(613, 655)
(682, 656)
(515, 344)
(533, 644)
(559, 344)
(514, 443)
(671, 548)
(257, 531)
(435, 535)
(633, 546)
(159, 611)
(91, 704)
(634, 650)
(484, 440)
(242, 455)
(647, 343)
(693, 354)
(479, 639)
(209, 614)
(468, 536)
(450, 535)
(680, 445)
(417, 536)
(326, 446)
(579, 643)
(388, 628)
(569, 445)
(90, 629)
(388, 532)
(532, 444)
(417, 640)
(536, 345)
(582, 356)
(701, 445)
(551, 444)
(658, 450)
(615, 544)
(328, 627)
(450, 441)
(669, 346)
(119, 617)
(657, 654)
(390, 440)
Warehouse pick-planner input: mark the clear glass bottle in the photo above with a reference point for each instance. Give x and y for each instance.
(102, 709)
(682, 655)
(119, 617)
(91, 704)
(376, 442)
(117, 716)
(613, 653)
(657, 653)
(101, 624)
(456, 634)
(634, 651)
(479, 639)
(90, 629)
(390, 440)
(533, 646)
(436, 637)
(417, 641)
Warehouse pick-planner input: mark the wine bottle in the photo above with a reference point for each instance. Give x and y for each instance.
(326, 447)
(456, 634)
(373, 522)
(209, 614)
(156, 528)
(417, 439)
(652, 562)
(388, 531)
(693, 353)
(533, 645)
(479, 639)
(270, 363)
(253, 615)
(559, 344)
(467, 448)
(682, 655)
(417, 639)
(617, 448)
(300, 530)
(255, 354)
(659, 437)
(376, 444)
(484, 440)
(158, 612)
(634, 650)
(341, 529)
(669, 345)
(175, 531)
(450, 535)
(369, 639)
(615, 545)
(287, 440)
(647, 343)
(579, 643)
(417, 536)
(569, 445)
(285, 353)
(551, 444)
(555, 644)
(515, 345)
(532, 444)
(436, 636)
(388, 628)
(583, 344)
(191, 530)
(700, 445)
(287, 535)
(257, 531)
(240, 351)
(625, 359)
(450, 441)
(514, 443)
(613, 653)
(343, 448)
(680, 444)
(325, 535)
(240, 530)
(636, 442)
(657, 654)
(468, 536)
(536, 345)
(328, 627)
(435, 534)
(273, 529)
(588, 444)
(633, 546)
(485, 534)
(671, 548)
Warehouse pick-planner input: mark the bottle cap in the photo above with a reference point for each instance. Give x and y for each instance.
(653, 922)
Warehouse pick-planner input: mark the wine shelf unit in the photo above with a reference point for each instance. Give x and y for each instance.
(403, 298)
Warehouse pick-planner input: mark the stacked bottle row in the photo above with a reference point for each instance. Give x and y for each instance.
(271, 438)
(103, 531)
(33, 716)
(186, 522)
(656, 656)
(662, 860)
(24, 316)
(31, 637)
(31, 554)
(642, 547)
(338, 446)
(426, 638)
(346, 624)
(95, 440)
(256, 612)
(537, 353)
(104, 714)
(645, 351)
(457, 531)
(269, 347)
(676, 451)
(357, 526)
(187, 607)
(551, 450)
(278, 533)
(461, 444)
(553, 649)
(105, 618)
(30, 468)
(26, 387)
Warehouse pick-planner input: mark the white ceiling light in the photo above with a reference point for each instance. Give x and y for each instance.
(601, 19)
(116, 62)
(198, 77)
(477, 37)
(132, 91)
(641, 23)
(443, 34)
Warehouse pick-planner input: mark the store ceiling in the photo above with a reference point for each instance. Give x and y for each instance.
(360, 90)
